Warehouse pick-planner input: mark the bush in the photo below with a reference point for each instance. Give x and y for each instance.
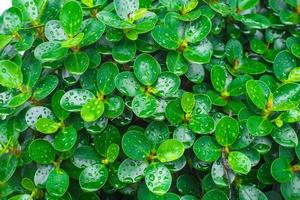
(166, 99)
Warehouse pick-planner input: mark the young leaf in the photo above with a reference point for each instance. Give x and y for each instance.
(187, 102)
(239, 162)
(47, 126)
(65, 139)
(71, 17)
(11, 75)
(92, 110)
(227, 131)
(170, 150)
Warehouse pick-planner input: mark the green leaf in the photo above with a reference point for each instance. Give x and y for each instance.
(124, 51)
(174, 112)
(92, 110)
(183, 134)
(36, 112)
(28, 184)
(166, 85)
(284, 62)
(158, 178)
(21, 197)
(258, 46)
(72, 41)
(201, 123)
(249, 192)
(145, 23)
(170, 150)
(31, 70)
(77, 63)
(29, 9)
(8, 166)
(54, 31)
(107, 137)
(19, 99)
(237, 86)
(114, 107)
(89, 3)
(12, 19)
(255, 21)
(234, 51)
(239, 162)
(215, 194)
(207, 149)
(47, 126)
(165, 37)
(144, 105)
(5, 40)
(258, 92)
(71, 17)
(187, 102)
(259, 126)
(50, 51)
(93, 30)
(59, 112)
(295, 49)
(127, 84)
(197, 30)
(131, 171)
(176, 63)
(219, 175)
(281, 170)
(285, 136)
(111, 19)
(125, 9)
(93, 177)
(220, 78)
(65, 139)
(249, 66)
(202, 104)
(264, 174)
(11, 75)
(188, 184)
(112, 152)
(136, 145)
(294, 75)
(105, 77)
(246, 4)
(41, 151)
(200, 53)
(227, 131)
(57, 183)
(45, 87)
(290, 190)
(74, 99)
(286, 97)
(146, 69)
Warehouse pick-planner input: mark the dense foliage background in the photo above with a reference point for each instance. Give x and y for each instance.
(163, 99)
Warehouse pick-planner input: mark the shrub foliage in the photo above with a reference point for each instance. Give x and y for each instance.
(142, 99)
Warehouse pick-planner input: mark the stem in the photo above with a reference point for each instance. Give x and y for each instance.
(226, 169)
